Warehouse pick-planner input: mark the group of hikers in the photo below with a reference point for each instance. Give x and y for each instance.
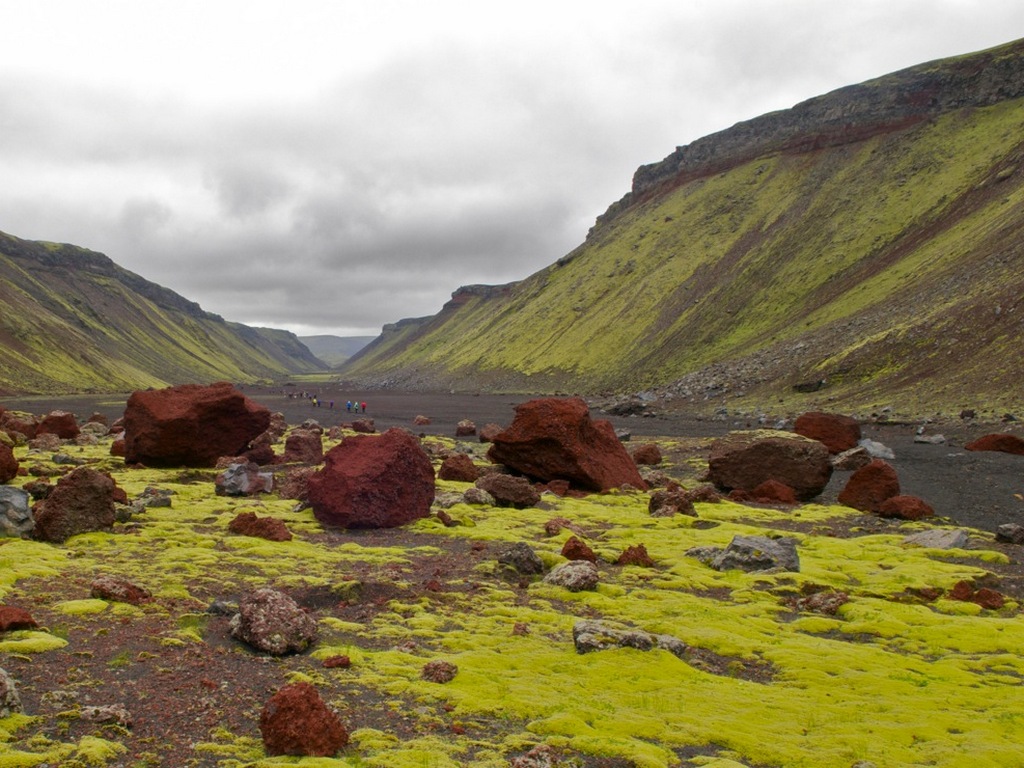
(352, 406)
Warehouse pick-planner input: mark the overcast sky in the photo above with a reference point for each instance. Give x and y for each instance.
(328, 167)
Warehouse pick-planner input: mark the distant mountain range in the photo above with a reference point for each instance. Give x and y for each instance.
(864, 248)
(335, 350)
(71, 320)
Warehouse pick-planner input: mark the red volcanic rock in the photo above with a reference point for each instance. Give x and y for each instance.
(465, 428)
(269, 528)
(364, 425)
(838, 433)
(340, 661)
(439, 671)
(554, 438)
(379, 481)
(989, 598)
(743, 460)
(119, 590)
(509, 491)
(295, 483)
(489, 431)
(23, 423)
(869, 486)
(458, 467)
(576, 549)
(296, 721)
(666, 503)
(648, 454)
(12, 618)
(303, 446)
(772, 492)
(8, 464)
(635, 554)
(60, 423)
(272, 622)
(117, 446)
(905, 508)
(98, 418)
(999, 441)
(81, 501)
(190, 425)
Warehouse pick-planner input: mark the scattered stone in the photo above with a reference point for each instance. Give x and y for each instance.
(555, 438)
(985, 597)
(1001, 441)
(421, 421)
(269, 528)
(465, 428)
(12, 619)
(119, 590)
(905, 508)
(647, 454)
(774, 492)
(296, 721)
(303, 446)
(16, 519)
(930, 439)
(1011, 533)
(827, 602)
(671, 502)
(489, 431)
(745, 459)
(458, 467)
(576, 549)
(869, 486)
(16, 422)
(272, 622)
(60, 423)
(117, 446)
(758, 553)
(576, 576)
(851, 460)
(541, 756)
(364, 426)
(81, 501)
(10, 702)
(113, 714)
(938, 538)
(439, 671)
(340, 661)
(877, 450)
(478, 496)
(589, 635)
(635, 554)
(8, 464)
(838, 433)
(509, 491)
(45, 442)
(244, 479)
(379, 481)
(190, 425)
(521, 557)
(295, 483)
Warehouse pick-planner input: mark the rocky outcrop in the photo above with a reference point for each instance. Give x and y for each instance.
(190, 425)
(373, 481)
(555, 439)
(744, 460)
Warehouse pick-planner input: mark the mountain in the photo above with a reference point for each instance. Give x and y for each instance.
(335, 350)
(71, 320)
(863, 248)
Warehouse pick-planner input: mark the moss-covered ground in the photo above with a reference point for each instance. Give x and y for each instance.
(890, 678)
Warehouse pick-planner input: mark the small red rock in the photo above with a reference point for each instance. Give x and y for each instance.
(12, 618)
(636, 555)
(296, 721)
(337, 662)
(905, 508)
(575, 549)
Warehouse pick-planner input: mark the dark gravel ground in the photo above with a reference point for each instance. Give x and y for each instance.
(977, 489)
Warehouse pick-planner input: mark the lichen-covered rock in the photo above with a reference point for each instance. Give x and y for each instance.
(10, 702)
(509, 491)
(576, 576)
(270, 621)
(555, 439)
(838, 433)
(870, 486)
(379, 481)
(190, 425)
(296, 721)
(81, 501)
(758, 553)
(938, 538)
(117, 589)
(589, 635)
(16, 519)
(743, 460)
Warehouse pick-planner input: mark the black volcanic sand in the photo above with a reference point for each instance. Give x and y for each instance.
(976, 489)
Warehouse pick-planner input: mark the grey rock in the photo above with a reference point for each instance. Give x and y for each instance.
(589, 635)
(758, 553)
(15, 515)
(877, 450)
(272, 622)
(521, 557)
(576, 576)
(938, 538)
(243, 479)
(930, 439)
(478, 496)
(852, 459)
(10, 702)
(1012, 533)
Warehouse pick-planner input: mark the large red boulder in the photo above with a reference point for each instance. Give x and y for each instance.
(296, 721)
(60, 423)
(373, 481)
(998, 441)
(838, 433)
(8, 464)
(190, 425)
(555, 439)
(744, 460)
(81, 501)
(870, 486)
